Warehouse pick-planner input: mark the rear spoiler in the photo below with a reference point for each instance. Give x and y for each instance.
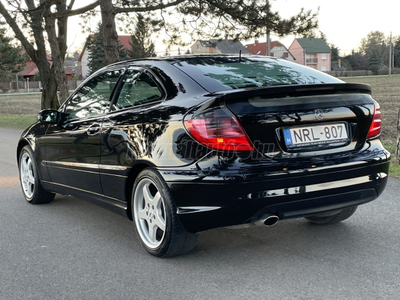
(295, 90)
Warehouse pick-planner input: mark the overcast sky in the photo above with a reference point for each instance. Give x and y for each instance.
(344, 22)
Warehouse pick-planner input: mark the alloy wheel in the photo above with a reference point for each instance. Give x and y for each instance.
(149, 213)
(27, 175)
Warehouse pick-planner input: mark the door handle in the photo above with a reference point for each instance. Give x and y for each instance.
(92, 130)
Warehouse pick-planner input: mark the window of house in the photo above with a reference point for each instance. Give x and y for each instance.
(323, 68)
(323, 56)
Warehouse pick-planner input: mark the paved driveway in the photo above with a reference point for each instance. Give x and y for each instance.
(70, 249)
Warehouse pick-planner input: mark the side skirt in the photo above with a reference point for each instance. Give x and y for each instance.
(117, 206)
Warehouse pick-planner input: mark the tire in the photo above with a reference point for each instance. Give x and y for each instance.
(32, 189)
(332, 219)
(154, 212)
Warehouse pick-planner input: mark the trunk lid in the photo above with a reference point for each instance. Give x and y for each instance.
(304, 120)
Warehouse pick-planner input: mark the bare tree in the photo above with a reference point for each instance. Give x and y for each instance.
(200, 18)
(109, 11)
(376, 49)
(29, 19)
(216, 19)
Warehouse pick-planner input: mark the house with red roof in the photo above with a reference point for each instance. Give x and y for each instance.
(31, 70)
(277, 50)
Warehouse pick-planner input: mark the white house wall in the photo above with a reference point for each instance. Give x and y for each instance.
(279, 51)
(84, 64)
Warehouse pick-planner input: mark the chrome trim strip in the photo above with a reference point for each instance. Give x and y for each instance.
(113, 168)
(343, 165)
(88, 166)
(93, 172)
(195, 209)
(85, 191)
(114, 175)
(295, 190)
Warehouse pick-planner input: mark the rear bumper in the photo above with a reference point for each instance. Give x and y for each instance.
(231, 197)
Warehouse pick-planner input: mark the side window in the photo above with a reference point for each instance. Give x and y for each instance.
(94, 97)
(138, 88)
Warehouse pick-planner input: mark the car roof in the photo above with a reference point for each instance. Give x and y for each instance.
(175, 59)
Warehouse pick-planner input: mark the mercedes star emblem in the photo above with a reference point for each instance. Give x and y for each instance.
(319, 114)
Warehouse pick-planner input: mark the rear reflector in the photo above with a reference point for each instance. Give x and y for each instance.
(218, 129)
(375, 128)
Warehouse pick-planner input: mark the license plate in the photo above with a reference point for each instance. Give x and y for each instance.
(315, 135)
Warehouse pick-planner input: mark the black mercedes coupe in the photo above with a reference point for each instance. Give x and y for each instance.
(185, 144)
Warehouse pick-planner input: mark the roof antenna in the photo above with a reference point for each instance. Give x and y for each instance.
(240, 56)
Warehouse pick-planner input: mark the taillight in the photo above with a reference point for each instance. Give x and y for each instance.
(375, 128)
(218, 129)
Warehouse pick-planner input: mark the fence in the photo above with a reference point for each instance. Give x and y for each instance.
(32, 86)
(355, 73)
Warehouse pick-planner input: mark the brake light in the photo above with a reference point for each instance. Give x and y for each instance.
(375, 128)
(218, 129)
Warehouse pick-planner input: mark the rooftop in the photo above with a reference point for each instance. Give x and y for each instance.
(314, 45)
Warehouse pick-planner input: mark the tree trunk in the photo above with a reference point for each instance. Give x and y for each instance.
(110, 36)
(36, 13)
(49, 95)
(58, 55)
(37, 53)
(398, 139)
(49, 86)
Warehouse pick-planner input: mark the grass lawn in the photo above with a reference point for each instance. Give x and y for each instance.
(16, 121)
(385, 90)
(20, 104)
(394, 165)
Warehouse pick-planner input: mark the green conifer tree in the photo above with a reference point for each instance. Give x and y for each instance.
(11, 62)
(141, 44)
(95, 47)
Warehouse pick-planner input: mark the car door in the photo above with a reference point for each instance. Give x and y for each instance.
(73, 147)
(130, 129)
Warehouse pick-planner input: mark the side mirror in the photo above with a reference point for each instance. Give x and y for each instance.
(50, 116)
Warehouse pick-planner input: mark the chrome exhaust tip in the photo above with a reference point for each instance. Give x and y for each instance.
(267, 220)
(270, 220)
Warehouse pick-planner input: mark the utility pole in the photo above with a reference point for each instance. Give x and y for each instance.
(268, 32)
(390, 55)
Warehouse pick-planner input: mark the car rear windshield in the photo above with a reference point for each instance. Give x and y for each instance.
(245, 72)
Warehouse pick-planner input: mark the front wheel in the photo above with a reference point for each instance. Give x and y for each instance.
(29, 178)
(332, 219)
(154, 213)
